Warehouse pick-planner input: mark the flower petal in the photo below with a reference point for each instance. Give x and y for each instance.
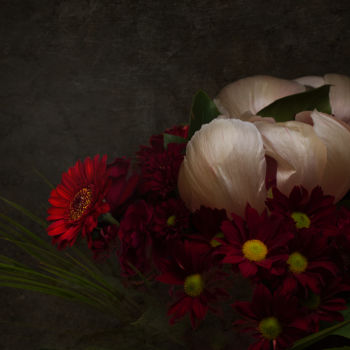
(311, 80)
(336, 137)
(248, 96)
(224, 167)
(339, 95)
(300, 154)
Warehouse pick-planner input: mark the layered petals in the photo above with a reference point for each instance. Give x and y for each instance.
(335, 135)
(224, 167)
(339, 92)
(244, 98)
(300, 154)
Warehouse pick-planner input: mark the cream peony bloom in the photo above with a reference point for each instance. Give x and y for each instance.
(224, 167)
(339, 92)
(244, 98)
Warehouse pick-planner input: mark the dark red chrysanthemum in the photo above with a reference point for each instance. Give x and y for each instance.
(78, 201)
(123, 185)
(326, 305)
(134, 235)
(160, 166)
(308, 264)
(316, 211)
(207, 223)
(190, 265)
(256, 243)
(273, 319)
(103, 241)
(171, 219)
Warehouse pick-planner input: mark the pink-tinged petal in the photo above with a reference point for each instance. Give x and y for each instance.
(336, 137)
(247, 96)
(224, 167)
(248, 269)
(339, 95)
(311, 80)
(300, 154)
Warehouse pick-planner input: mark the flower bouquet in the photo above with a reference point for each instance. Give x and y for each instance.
(229, 232)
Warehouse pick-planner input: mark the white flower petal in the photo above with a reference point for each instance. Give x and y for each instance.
(248, 96)
(339, 95)
(336, 136)
(224, 167)
(311, 80)
(298, 151)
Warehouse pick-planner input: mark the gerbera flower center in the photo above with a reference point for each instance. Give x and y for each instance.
(270, 328)
(297, 262)
(313, 301)
(80, 203)
(301, 220)
(214, 242)
(254, 250)
(194, 285)
(171, 220)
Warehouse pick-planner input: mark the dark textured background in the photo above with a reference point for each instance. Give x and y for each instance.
(81, 77)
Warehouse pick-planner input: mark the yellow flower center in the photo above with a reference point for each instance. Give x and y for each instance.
(301, 220)
(313, 301)
(297, 262)
(171, 220)
(194, 285)
(80, 203)
(254, 250)
(214, 243)
(270, 328)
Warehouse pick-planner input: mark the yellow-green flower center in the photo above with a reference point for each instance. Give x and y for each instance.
(194, 285)
(171, 220)
(312, 302)
(297, 262)
(301, 220)
(270, 328)
(214, 243)
(254, 250)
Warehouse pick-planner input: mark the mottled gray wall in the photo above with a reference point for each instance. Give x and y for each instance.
(81, 77)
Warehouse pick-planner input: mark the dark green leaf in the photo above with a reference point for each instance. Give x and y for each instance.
(203, 111)
(341, 328)
(286, 108)
(168, 138)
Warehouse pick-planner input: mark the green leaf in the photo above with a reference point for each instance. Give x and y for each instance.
(203, 111)
(342, 328)
(286, 108)
(168, 138)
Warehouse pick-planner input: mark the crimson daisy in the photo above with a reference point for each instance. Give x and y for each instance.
(255, 244)
(316, 211)
(78, 201)
(273, 319)
(308, 264)
(190, 265)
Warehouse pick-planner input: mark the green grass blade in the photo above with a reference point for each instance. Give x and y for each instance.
(43, 177)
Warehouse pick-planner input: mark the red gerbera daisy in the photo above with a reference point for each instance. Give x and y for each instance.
(190, 266)
(78, 201)
(274, 319)
(256, 243)
(316, 211)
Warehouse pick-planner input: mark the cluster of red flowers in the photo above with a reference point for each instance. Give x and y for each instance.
(294, 253)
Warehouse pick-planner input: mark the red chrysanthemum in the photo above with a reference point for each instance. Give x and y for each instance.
(135, 239)
(190, 265)
(316, 211)
(308, 264)
(160, 166)
(255, 244)
(103, 241)
(326, 305)
(274, 319)
(78, 201)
